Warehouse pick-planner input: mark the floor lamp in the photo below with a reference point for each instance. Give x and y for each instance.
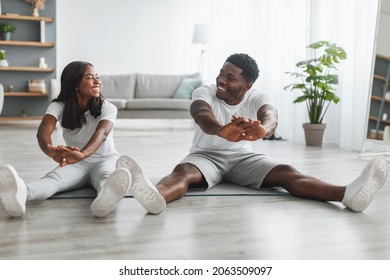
(201, 36)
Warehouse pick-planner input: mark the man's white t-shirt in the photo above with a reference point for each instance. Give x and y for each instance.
(247, 108)
(79, 137)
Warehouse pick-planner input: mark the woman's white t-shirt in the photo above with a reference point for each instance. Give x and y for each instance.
(223, 112)
(79, 137)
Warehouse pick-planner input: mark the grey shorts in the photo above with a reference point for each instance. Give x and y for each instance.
(241, 168)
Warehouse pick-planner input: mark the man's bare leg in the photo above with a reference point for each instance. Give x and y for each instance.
(356, 196)
(175, 185)
(301, 185)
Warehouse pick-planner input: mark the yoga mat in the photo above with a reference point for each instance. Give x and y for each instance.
(222, 189)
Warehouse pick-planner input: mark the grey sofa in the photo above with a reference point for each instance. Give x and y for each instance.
(150, 96)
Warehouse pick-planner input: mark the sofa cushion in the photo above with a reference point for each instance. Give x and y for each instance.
(158, 86)
(120, 103)
(186, 87)
(159, 103)
(118, 86)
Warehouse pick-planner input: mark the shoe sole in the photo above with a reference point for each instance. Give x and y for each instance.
(8, 192)
(113, 191)
(376, 178)
(141, 188)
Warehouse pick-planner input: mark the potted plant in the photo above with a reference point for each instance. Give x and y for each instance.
(23, 112)
(7, 28)
(316, 83)
(3, 59)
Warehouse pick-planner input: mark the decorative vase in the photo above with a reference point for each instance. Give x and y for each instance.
(35, 12)
(314, 133)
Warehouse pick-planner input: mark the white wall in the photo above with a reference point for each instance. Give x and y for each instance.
(127, 36)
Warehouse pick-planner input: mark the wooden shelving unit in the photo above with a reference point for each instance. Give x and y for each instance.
(379, 115)
(29, 42)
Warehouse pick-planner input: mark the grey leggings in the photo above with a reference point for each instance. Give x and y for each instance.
(90, 171)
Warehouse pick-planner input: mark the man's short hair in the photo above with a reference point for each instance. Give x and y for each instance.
(250, 70)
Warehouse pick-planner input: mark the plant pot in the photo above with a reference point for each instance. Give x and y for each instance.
(314, 133)
(3, 63)
(7, 36)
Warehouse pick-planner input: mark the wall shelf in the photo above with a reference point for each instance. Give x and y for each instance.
(23, 17)
(26, 69)
(28, 118)
(29, 94)
(379, 98)
(379, 77)
(27, 44)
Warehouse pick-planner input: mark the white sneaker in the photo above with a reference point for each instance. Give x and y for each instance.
(359, 194)
(13, 192)
(113, 190)
(141, 188)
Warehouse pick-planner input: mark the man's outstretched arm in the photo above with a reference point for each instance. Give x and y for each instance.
(268, 117)
(203, 115)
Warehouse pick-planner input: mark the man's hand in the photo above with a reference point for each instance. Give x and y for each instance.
(233, 131)
(240, 129)
(254, 130)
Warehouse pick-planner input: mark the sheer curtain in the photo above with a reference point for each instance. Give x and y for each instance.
(276, 34)
(351, 24)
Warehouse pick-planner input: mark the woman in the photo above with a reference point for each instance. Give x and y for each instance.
(89, 157)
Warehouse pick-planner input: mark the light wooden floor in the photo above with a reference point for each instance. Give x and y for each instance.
(206, 227)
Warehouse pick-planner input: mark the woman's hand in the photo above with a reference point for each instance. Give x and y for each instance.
(65, 155)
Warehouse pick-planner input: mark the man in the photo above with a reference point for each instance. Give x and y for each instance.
(228, 116)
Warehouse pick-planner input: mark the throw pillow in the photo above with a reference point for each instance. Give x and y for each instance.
(186, 87)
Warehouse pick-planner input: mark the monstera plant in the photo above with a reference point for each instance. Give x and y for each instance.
(316, 80)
